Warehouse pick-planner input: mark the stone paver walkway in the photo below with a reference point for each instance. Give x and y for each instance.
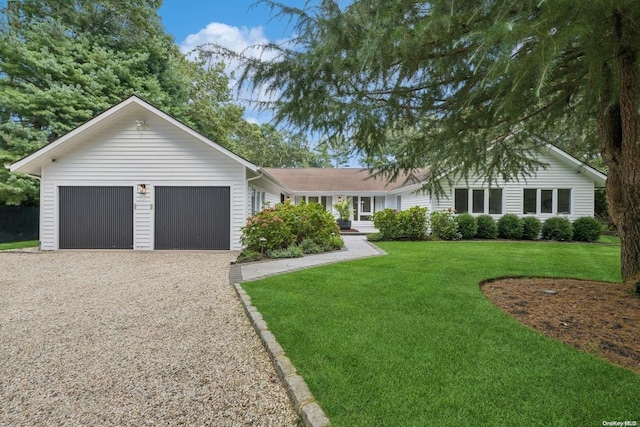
(355, 247)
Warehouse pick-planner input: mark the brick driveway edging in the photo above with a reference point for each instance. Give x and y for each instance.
(304, 402)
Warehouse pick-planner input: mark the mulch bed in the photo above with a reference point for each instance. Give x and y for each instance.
(597, 317)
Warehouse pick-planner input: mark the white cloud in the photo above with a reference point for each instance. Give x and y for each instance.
(238, 39)
(234, 38)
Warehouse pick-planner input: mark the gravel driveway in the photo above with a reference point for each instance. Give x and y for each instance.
(130, 338)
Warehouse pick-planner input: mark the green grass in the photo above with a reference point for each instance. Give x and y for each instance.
(19, 245)
(615, 240)
(408, 339)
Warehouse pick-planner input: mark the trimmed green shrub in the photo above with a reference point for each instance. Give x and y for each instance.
(280, 226)
(292, 251)
(410, 224)
(531, 227)
(308, 246)
(375, 237)
(336, 242)
(557, 228)
(386, 221)
(413, 223)
(587, 229)
(248, 256)
(467, 226)
(444, 226)
(487, 227)
(510, 227)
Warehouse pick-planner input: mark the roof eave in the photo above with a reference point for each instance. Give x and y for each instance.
(33, 163)
(598, 177)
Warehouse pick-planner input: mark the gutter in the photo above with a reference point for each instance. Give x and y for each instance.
(8, 166)
(39, 178)
(260, 175)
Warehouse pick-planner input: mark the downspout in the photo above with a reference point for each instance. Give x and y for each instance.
(256, 177)
(260, 175)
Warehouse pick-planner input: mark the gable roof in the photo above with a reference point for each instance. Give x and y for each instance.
(338, 180)
(33, 162)
(598, 177)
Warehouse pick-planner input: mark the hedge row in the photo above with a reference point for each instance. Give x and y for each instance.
(410, 224)
(445, 225)
(465, 226)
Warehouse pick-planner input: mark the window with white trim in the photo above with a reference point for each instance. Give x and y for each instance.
(480, 200)
(564, 201)
(257, 200)
(546, 201)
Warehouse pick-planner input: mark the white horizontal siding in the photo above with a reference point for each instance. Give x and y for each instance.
(272, 191)
(143, 219)
(48, 206)
(557, 175)
(411, 199)
(158, 155)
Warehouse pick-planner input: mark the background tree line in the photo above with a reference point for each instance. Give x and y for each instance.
(64, 61)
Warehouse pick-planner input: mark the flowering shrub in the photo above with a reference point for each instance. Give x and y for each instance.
(267, 230)
(410, 224)
(280, 226)
(444, 226)
(311, 221)
(413, 223)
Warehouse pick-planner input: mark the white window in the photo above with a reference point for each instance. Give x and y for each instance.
(481, 200)
(546, 201)
(564, 201)
(257, 200)
(461, 202)
(495, 201)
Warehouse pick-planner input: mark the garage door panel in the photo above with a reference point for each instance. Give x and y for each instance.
(192, 217)
(95, 217)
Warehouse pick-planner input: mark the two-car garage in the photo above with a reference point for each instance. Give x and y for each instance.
(184, 217)
(135, 178)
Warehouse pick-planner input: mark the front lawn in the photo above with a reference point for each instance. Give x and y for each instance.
(613, 240)
(408, 339)
(19, 245)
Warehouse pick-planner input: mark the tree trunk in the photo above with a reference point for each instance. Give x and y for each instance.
(619, 132)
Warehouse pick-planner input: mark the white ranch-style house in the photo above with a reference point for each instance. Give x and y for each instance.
(134, 177)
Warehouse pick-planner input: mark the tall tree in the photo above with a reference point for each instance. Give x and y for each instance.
(337, 149)
(210, 109)
(267, 146)
(476, 81)
(62, 62)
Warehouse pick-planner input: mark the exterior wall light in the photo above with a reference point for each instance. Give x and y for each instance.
(142, 188)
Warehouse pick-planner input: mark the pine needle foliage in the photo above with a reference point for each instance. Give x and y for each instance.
(478, 87)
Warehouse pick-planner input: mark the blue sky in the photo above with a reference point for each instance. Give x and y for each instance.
(187, 17)
(233, 24)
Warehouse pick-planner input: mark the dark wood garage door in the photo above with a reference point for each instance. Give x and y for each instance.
(192, 218)
(96, 217)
